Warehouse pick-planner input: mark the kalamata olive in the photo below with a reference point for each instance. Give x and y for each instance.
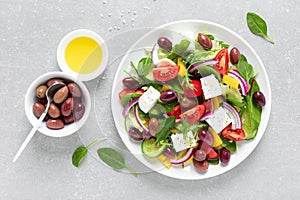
(169, 152)
(38, 109)
(153, 125)
(201, 166)
(234, 55)
(206, 137)
(204, 41)
(42, 100)
(41, 91)
(68, 119)
(61, 95)
(55, 124)
(135, 134)
(164, 43)
(196, 75)
(78, 110)
(146, 135)
(74, 90)
(53, 111)
(199, 155)
(130, 83)
(225, 155)
(54, 80)
(168, 96)
(209, 105)
(67, 107)
(187, 102)
(259, 98)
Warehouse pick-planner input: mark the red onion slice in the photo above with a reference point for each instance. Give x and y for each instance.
(209, 62)
(187, 156)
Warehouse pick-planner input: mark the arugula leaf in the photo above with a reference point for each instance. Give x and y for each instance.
(222, 44)
(200, 55)
(228, 144)
(251, 115)
(258, 26)
(185, 127)
(114, 159)
(164, 128)
(168, 106)
(80, 153)
(144, 66)
(245, 69)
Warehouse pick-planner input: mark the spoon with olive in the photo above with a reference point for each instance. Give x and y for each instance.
(49, 94)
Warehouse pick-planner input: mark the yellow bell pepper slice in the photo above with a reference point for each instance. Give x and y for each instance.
(217, 140)
(165, 87)
(182, 69)
(232, 82)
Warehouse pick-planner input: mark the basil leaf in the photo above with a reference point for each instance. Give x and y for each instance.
(251, 115)
(245, 69)
(258, 26)
(144, 66)
(114, 159)
(79, 155)
(164, 128)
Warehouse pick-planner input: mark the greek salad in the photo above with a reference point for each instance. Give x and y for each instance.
(191, 102)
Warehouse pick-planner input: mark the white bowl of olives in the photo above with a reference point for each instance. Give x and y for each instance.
(69, 109)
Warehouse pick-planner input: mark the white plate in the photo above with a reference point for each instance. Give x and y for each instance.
(190, 28)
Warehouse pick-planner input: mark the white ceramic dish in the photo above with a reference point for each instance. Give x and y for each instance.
(190, 28)
(76, 34)
(68, 129)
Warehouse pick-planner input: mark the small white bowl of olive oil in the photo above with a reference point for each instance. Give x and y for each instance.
(82, 54)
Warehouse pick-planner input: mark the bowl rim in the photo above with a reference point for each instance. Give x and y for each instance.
(81, 33)
(71, 128)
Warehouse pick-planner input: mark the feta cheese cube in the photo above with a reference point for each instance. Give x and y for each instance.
(210, 86)
(179, 143)
(219, 120)
(148, 99)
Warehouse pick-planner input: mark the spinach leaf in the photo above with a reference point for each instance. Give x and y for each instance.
(144, 66)
(168, 106)
(114, 159)
(258, 26)
(229, 145)
(80, 153)
(176, 86)
(181, 48)
(251, 115)
(245, 69)
(213, 161)
(164, 128)
(211, 37)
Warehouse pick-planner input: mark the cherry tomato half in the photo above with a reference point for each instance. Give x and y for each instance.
(175, 112)
(197, 91)
(233, 134)
(127, 91)
(194, 114)
(166, 73)
(222, 65)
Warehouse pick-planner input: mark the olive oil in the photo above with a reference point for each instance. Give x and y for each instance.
(83, 55)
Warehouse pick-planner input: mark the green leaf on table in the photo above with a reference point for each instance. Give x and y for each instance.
(114, 159)
(79, 155)
(258, 26)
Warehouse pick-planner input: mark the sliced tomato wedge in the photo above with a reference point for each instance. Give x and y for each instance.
(222, 65)
(233, 134)
(212, 154)
(194, 114)
(175, 112)
(165, 73)
(195, 92)
(127, 91)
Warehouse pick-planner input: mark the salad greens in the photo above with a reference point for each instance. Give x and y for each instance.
(258, 26)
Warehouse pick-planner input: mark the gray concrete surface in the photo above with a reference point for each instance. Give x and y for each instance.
(29, 34)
